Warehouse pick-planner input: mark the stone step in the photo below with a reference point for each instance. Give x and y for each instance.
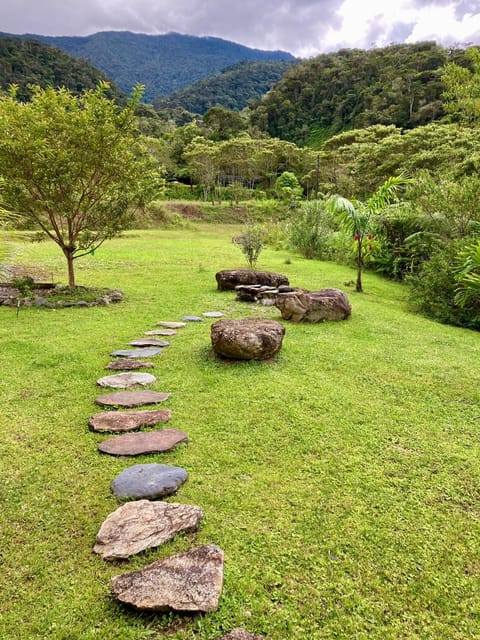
(128, 364)
(149, 342)
(148, 481)
(135, 444)
(171, 325)
(136, 353)
(131, 398)
(126, 380)
(128, 420)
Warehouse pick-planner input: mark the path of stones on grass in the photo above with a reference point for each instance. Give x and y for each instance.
(189, 582)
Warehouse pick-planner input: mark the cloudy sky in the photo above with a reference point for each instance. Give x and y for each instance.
(303, 27)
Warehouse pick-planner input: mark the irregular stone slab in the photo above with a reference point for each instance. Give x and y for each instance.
(141, 525)
(149, 481)
(240, 634)
(128, 420)
(128, 364)
(171, 325)
(230, 278)
(188, 582)
(161, 332)
(314, 306)
(134, 444)
(247, 339)
(213, 314)
(149, 342)
(192, 319)
(131, 398)
(126, 380)
(136, 353)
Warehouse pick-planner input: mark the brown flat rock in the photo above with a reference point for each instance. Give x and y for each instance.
(143, 524)
(172, 325)
(134, 444)
(126, 380)
(149, 342)
(128, 364)
(161, 332)
(128, 420)
(188, 582)
(131, 398)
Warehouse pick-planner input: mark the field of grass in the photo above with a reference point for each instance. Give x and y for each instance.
(342, 481)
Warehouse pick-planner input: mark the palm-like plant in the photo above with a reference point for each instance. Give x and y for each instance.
(355, 216)
(467, 275)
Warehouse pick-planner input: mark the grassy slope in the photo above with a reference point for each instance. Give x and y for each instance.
(342, 481)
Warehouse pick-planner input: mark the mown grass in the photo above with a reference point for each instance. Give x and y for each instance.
(342, 481)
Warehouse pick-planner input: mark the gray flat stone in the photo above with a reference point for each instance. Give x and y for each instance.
(128, 364)
(149, 342)
(161, 332)
(135, 444)
(126, 380)
(136, 353)
(213, 314)
(188, 582)
(171, 325)
(149, 481)
(192, 319)
(120, 421)
(142, 524)
(131, 398)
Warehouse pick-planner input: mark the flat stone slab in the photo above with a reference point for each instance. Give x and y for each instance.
(240, 634)
(131, 398)
(136, 353)
(128, 420)
(126, 380)
(213, 314)
(134, 444)
(192, 319)
(149, 342)
(161, 332)
(141, 525)
(188, 582)
(128, 364)
(148, 481)
(171, 325)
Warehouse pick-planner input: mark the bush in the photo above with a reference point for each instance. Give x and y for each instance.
(311, 228)
(251, 242)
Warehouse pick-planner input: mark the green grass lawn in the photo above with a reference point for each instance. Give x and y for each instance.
(342, 481)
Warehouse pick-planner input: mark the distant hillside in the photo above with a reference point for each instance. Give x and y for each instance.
(163, 63)
(24, 62)
(233, 88)
(352, 88)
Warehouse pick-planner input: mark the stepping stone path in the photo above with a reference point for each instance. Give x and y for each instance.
(128, 364)
(128, 420)
(136, 353)
(126, 380)
(213, 314)
(161, 332)
(192, 319)
(171, 325)
(149, 342)
(134, 444)
(149, 481)
(141, 525)
(188, 582)
(131, 398)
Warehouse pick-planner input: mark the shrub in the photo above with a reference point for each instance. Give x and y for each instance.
(311, 228)
(251, 242)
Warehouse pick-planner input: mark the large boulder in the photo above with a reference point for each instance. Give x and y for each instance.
(314, 306)
(228, 279)
(247, 339)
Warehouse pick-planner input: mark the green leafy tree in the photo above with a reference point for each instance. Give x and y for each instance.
(287, 187)
(251, 243)
(74, 166)
(463, 87)
(356, 216)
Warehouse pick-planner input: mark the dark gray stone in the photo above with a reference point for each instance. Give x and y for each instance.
(192, 319)
(136, 353)
(190, 582)
(148, 481)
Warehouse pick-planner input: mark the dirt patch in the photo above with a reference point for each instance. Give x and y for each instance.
(189, 211)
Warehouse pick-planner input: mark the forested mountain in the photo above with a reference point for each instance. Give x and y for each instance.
(233, 88)
(400, 85)
(24, 62)
(163, 63)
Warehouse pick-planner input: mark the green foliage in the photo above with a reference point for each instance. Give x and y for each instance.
(400, 84)
(287, 187)
(163, 63)
(73, 166)
(463, 87)
(251, 242)
(233, 88)
(222, 123)
(27, 62)
(310, 229)
(467, 276)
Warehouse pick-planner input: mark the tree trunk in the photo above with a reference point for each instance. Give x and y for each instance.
(358, 286)
(71, 274)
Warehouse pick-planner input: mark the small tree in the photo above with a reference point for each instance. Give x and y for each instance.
(355, 216)
(73, 165)
(251, 243)
(287, 187)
